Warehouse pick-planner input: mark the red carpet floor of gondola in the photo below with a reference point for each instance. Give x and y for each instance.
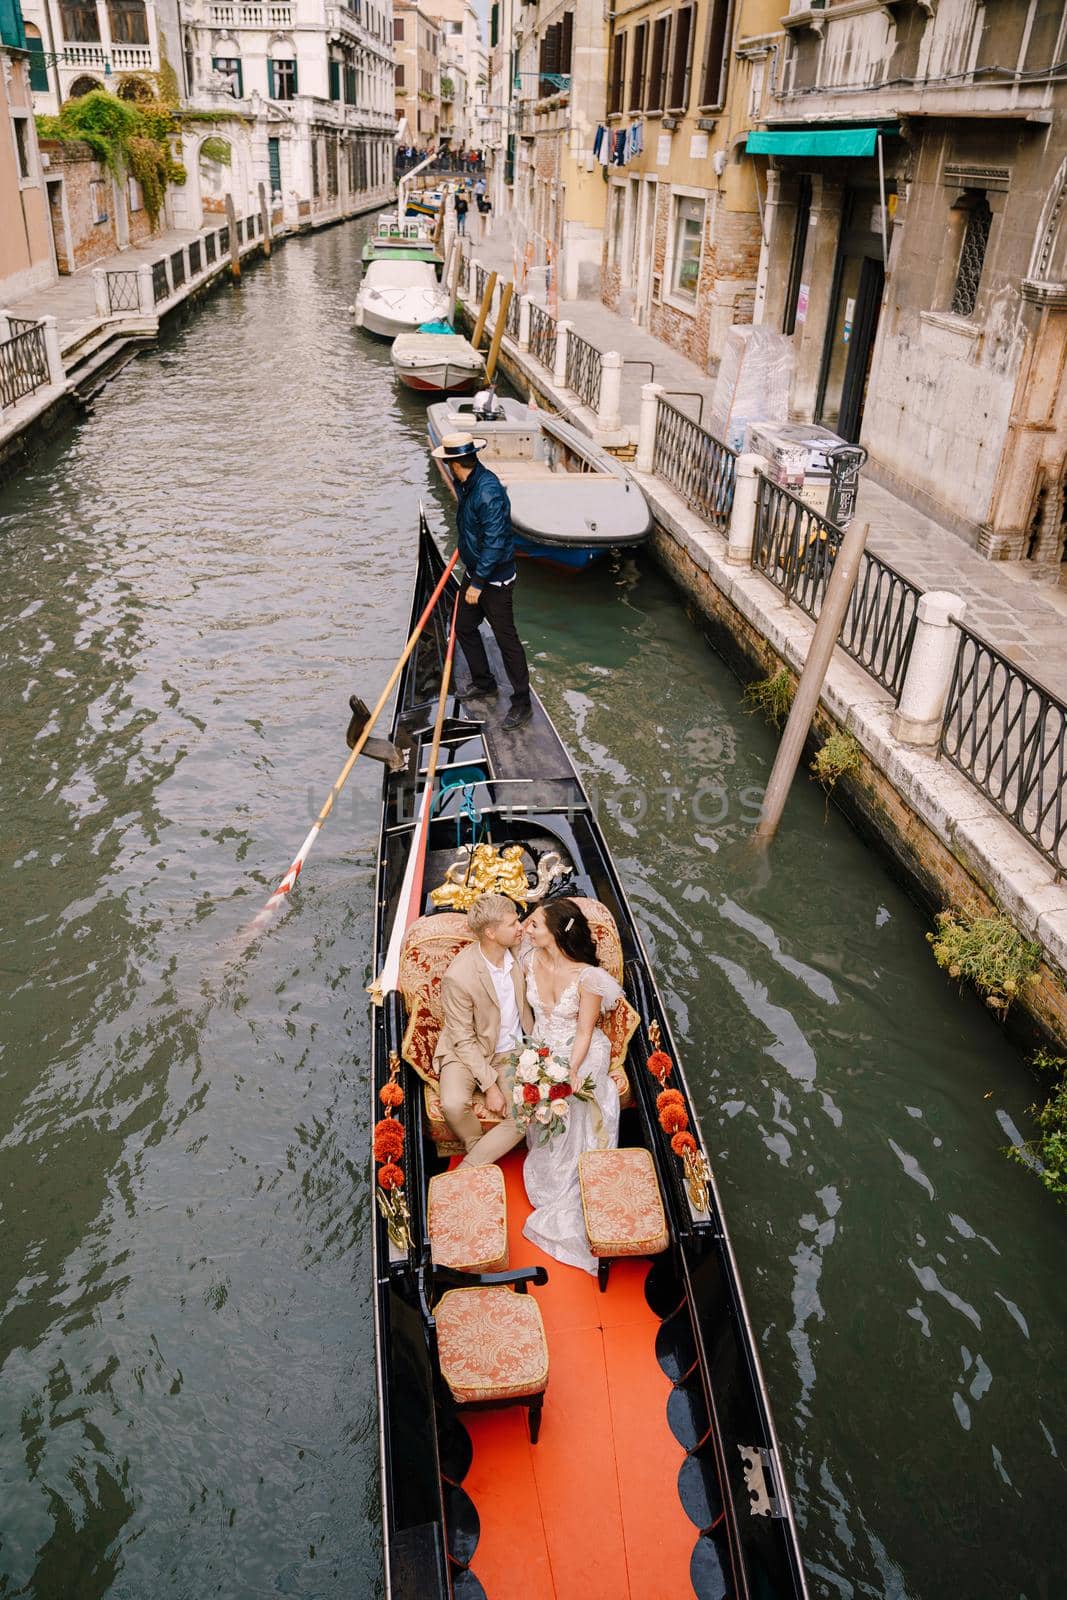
(590, 1512)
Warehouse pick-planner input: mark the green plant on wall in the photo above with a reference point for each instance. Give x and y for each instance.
(1047, 1154)
(839, 754)
(986, 950)
(216, 149)
(131, 138)
(772, 697)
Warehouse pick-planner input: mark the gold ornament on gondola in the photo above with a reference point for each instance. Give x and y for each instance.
(488, 869)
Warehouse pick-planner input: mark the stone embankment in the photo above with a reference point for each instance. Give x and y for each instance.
(958, 706)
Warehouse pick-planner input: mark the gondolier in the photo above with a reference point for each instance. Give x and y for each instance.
(487, 550)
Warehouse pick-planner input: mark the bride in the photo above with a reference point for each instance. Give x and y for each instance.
(568, 991)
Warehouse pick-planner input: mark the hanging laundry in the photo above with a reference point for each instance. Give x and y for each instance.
(639, 138)
(598, 140)
(619, 156)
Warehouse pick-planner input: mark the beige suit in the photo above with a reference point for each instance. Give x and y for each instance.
(466, 1059)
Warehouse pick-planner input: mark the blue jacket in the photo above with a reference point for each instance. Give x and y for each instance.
(483, 519)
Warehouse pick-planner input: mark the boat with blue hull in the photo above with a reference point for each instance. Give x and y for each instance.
(571, 502)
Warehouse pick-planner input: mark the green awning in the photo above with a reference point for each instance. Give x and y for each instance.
(815, 142)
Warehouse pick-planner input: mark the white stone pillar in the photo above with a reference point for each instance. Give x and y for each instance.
(559, 375)
(608, 414)
(742, 526)
(646, 427)
(103, 304)
(917, 719)
(5, 326)
(524, 322)
(146, 300)
(57, 373)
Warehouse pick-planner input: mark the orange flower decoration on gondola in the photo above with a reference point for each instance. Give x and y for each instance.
(388, 1140)
(391, 1094)
(683, 1144)
(673, 1119)
(391, 1176)
(660, 1065)
(669, 1097)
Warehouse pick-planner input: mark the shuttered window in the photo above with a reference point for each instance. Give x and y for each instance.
(637, 67)
(682, 64)
(716, 54)
(657, 70)
(617, 80)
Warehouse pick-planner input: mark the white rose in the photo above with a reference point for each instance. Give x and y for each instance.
(557, 1071)
(516, 1095)
(528, 1058)
(526, 1072)
(544, 1114)
(561, 1109)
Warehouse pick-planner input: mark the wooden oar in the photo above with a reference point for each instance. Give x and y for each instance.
(305, 849)
(410, 899)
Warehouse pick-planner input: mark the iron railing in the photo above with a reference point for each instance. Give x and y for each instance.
(543, 337)
(224, 239)
(584, 370)
(23, 363)
(796, 548)
(195, 261)
(123, 292)
(209, 249)
(511, 322)
(481, 278)
(699, 466)
(1008, 735)
(177, 269)
(21, 325)
(160, 282)
(240, 230)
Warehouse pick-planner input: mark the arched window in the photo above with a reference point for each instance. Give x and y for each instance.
(38, 71)
(81, 25)
(129, 21)
(135, 89)
(82, 86)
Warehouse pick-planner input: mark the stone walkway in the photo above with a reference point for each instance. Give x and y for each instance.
(1025, 620)
(72, 300)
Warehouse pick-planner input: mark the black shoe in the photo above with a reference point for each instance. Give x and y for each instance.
(478, 691)
(517, 717)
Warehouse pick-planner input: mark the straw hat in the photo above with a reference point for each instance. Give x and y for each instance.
(458, 447)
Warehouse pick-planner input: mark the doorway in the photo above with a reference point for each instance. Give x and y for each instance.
(853, 326)
(57, 215)
(644, 239)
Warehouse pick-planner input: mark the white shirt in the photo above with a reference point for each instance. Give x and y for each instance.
(510, 1033)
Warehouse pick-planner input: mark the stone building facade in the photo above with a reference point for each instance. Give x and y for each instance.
(917, 172)
(130, 47)
(27, 261)
(92, 215)
(682, 239)
(417, 36)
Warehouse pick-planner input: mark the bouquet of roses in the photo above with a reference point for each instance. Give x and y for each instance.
(543, 1091)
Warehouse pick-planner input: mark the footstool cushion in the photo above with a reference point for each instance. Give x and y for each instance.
(468, 1219)
(622, 1204)
(491, 1344)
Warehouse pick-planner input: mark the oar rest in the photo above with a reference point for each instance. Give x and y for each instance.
(467, 1218)
(490, 1339)
(622, 1206)
(430, 946)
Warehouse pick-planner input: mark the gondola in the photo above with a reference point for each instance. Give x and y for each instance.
(656, 1470)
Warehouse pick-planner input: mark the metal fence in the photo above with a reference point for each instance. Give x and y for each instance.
(224, 239)
(1008, 735)
(196, 265)
(209, 249)
(21, 325)
(160, 282)
(796, 548)
(543, 337)
(511, 324)
(694, 462)
(481, 278)
(177, 268)
(23, 362)
(584, 370)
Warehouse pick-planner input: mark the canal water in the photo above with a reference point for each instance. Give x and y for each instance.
(196, 580)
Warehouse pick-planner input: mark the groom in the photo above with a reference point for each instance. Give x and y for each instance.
(486, 1013)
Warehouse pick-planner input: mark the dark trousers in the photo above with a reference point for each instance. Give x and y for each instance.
(497, 607)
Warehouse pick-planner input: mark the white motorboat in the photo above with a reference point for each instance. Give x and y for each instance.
(398, 297)
(438, 363)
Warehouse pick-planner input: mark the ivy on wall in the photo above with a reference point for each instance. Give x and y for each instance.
(131, 138)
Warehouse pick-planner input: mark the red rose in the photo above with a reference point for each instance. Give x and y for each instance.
(560, 1091)
(544, 1051)
(531, 1094)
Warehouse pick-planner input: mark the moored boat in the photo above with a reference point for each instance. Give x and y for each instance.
(396, 240)
(438, 363)
(571, 501)
(398, 296)
(543, 1430)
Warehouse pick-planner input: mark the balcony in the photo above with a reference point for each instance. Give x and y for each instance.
(112, 57)
(250, 16)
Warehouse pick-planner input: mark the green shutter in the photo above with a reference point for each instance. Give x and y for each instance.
(270, 79)
(38, 71)
(296, 82)
(494, 25)
(335, 80)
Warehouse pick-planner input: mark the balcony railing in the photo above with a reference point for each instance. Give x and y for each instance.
(120, 57)
(1008, 735)
(699, 466)
(250, 16)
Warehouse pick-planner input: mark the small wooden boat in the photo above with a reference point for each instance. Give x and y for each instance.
(395, 240)
(398, 297)
(438, 363)
(571, 502)
(655, 1471)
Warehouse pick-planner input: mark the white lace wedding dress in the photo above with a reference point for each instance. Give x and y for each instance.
(551, 1170)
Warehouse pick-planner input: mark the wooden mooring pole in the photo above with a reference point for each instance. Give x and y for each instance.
(498, 331)
(838, 594)
(235, 248)
(487, 300)
(264, 219)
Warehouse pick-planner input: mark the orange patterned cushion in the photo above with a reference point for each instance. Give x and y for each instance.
(430, 946)
(468, 1219)
(444, 1139)
(491, 1344)
(621, 1201)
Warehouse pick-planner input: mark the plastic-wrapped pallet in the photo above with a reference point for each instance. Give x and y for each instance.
(753, 383)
